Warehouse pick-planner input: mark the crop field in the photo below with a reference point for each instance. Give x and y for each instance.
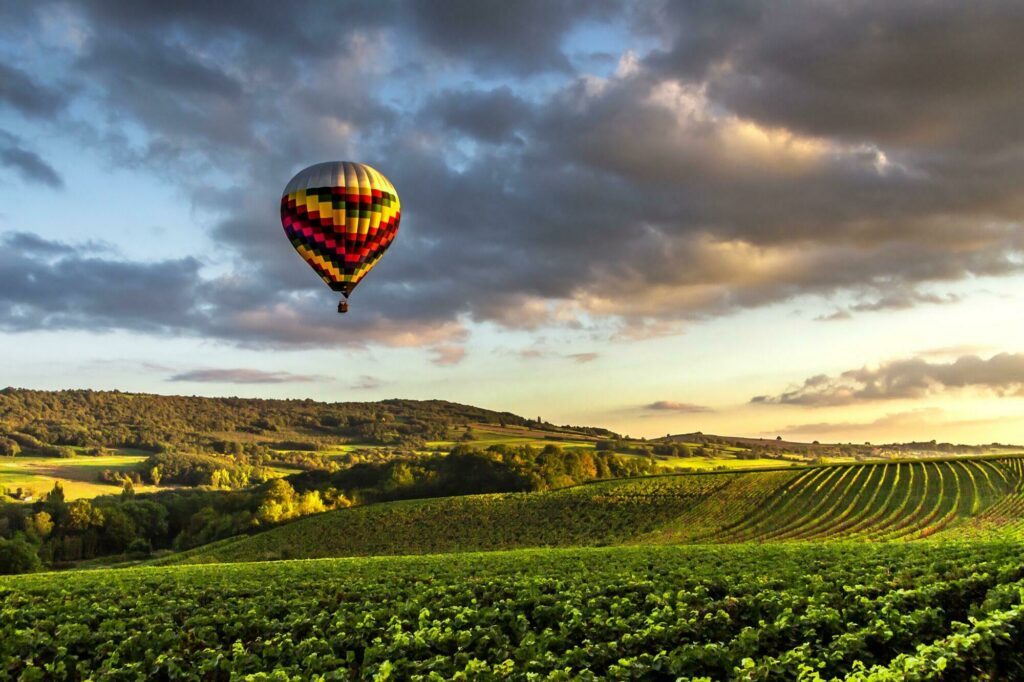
(715, 463)
(863, 502)
(756, 612)
(79, 476)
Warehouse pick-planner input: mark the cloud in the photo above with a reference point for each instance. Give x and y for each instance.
(835, 316)
(366, 383)
(243, 376)
(896, 299)
(32, 244)
(921, 421)
(955, 351)
(446, 355)
(907, 379)
(489, 116)
(29, 165)
(520, 38)
(46, 284)
(52, 285)
(673, 406)
(583, 358)
(27, 95)
(538, 351)
(869, 151)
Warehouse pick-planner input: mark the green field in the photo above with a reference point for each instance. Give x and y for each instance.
(79, 476)
(754, 612)
(864, 502)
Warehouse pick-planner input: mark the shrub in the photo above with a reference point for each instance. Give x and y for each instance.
(17, 556)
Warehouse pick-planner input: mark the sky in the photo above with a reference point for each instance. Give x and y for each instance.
(801, 219)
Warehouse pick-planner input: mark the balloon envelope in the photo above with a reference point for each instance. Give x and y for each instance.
(341, 217)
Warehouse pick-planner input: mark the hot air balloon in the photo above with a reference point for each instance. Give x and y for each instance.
(341, 217)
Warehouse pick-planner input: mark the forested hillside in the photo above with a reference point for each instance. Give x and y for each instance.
(146, 421)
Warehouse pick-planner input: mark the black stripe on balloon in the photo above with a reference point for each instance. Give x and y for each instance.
(339, 198)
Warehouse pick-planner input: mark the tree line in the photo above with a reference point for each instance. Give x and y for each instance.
(58, 532)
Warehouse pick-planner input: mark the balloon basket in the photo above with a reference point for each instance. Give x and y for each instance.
(342, 306)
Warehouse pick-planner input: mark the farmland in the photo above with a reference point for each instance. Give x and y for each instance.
(865, 502)
(79, 476)
(486, 546)
(252, 440)
(766, 612)
(742, 560)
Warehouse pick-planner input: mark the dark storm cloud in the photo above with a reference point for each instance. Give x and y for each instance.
(267, 32)
(51, 285)
(29, 165)
(912, 378)
(491, 116)
(242, 376)
(496, 37)
(872, 150)
(27, 95)
(181, 99)
(911, 73)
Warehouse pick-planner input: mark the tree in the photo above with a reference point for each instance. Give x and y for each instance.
(154, 475)
(56, 496)
(9, 448)
(118, 530)
(310, 503)
(42, 524)
(82, 516)
(55, 504)
(140, 548)
(18, 556)
(278, 502)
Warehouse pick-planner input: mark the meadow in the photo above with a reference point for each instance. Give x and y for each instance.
(79, 476)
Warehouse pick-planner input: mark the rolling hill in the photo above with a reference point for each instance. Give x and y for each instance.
(865, 502)
(281, 437)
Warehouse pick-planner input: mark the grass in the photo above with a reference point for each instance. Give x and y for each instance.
(712, 463)
(79, 476)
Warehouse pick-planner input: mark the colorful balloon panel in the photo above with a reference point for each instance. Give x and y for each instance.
(341, 217)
